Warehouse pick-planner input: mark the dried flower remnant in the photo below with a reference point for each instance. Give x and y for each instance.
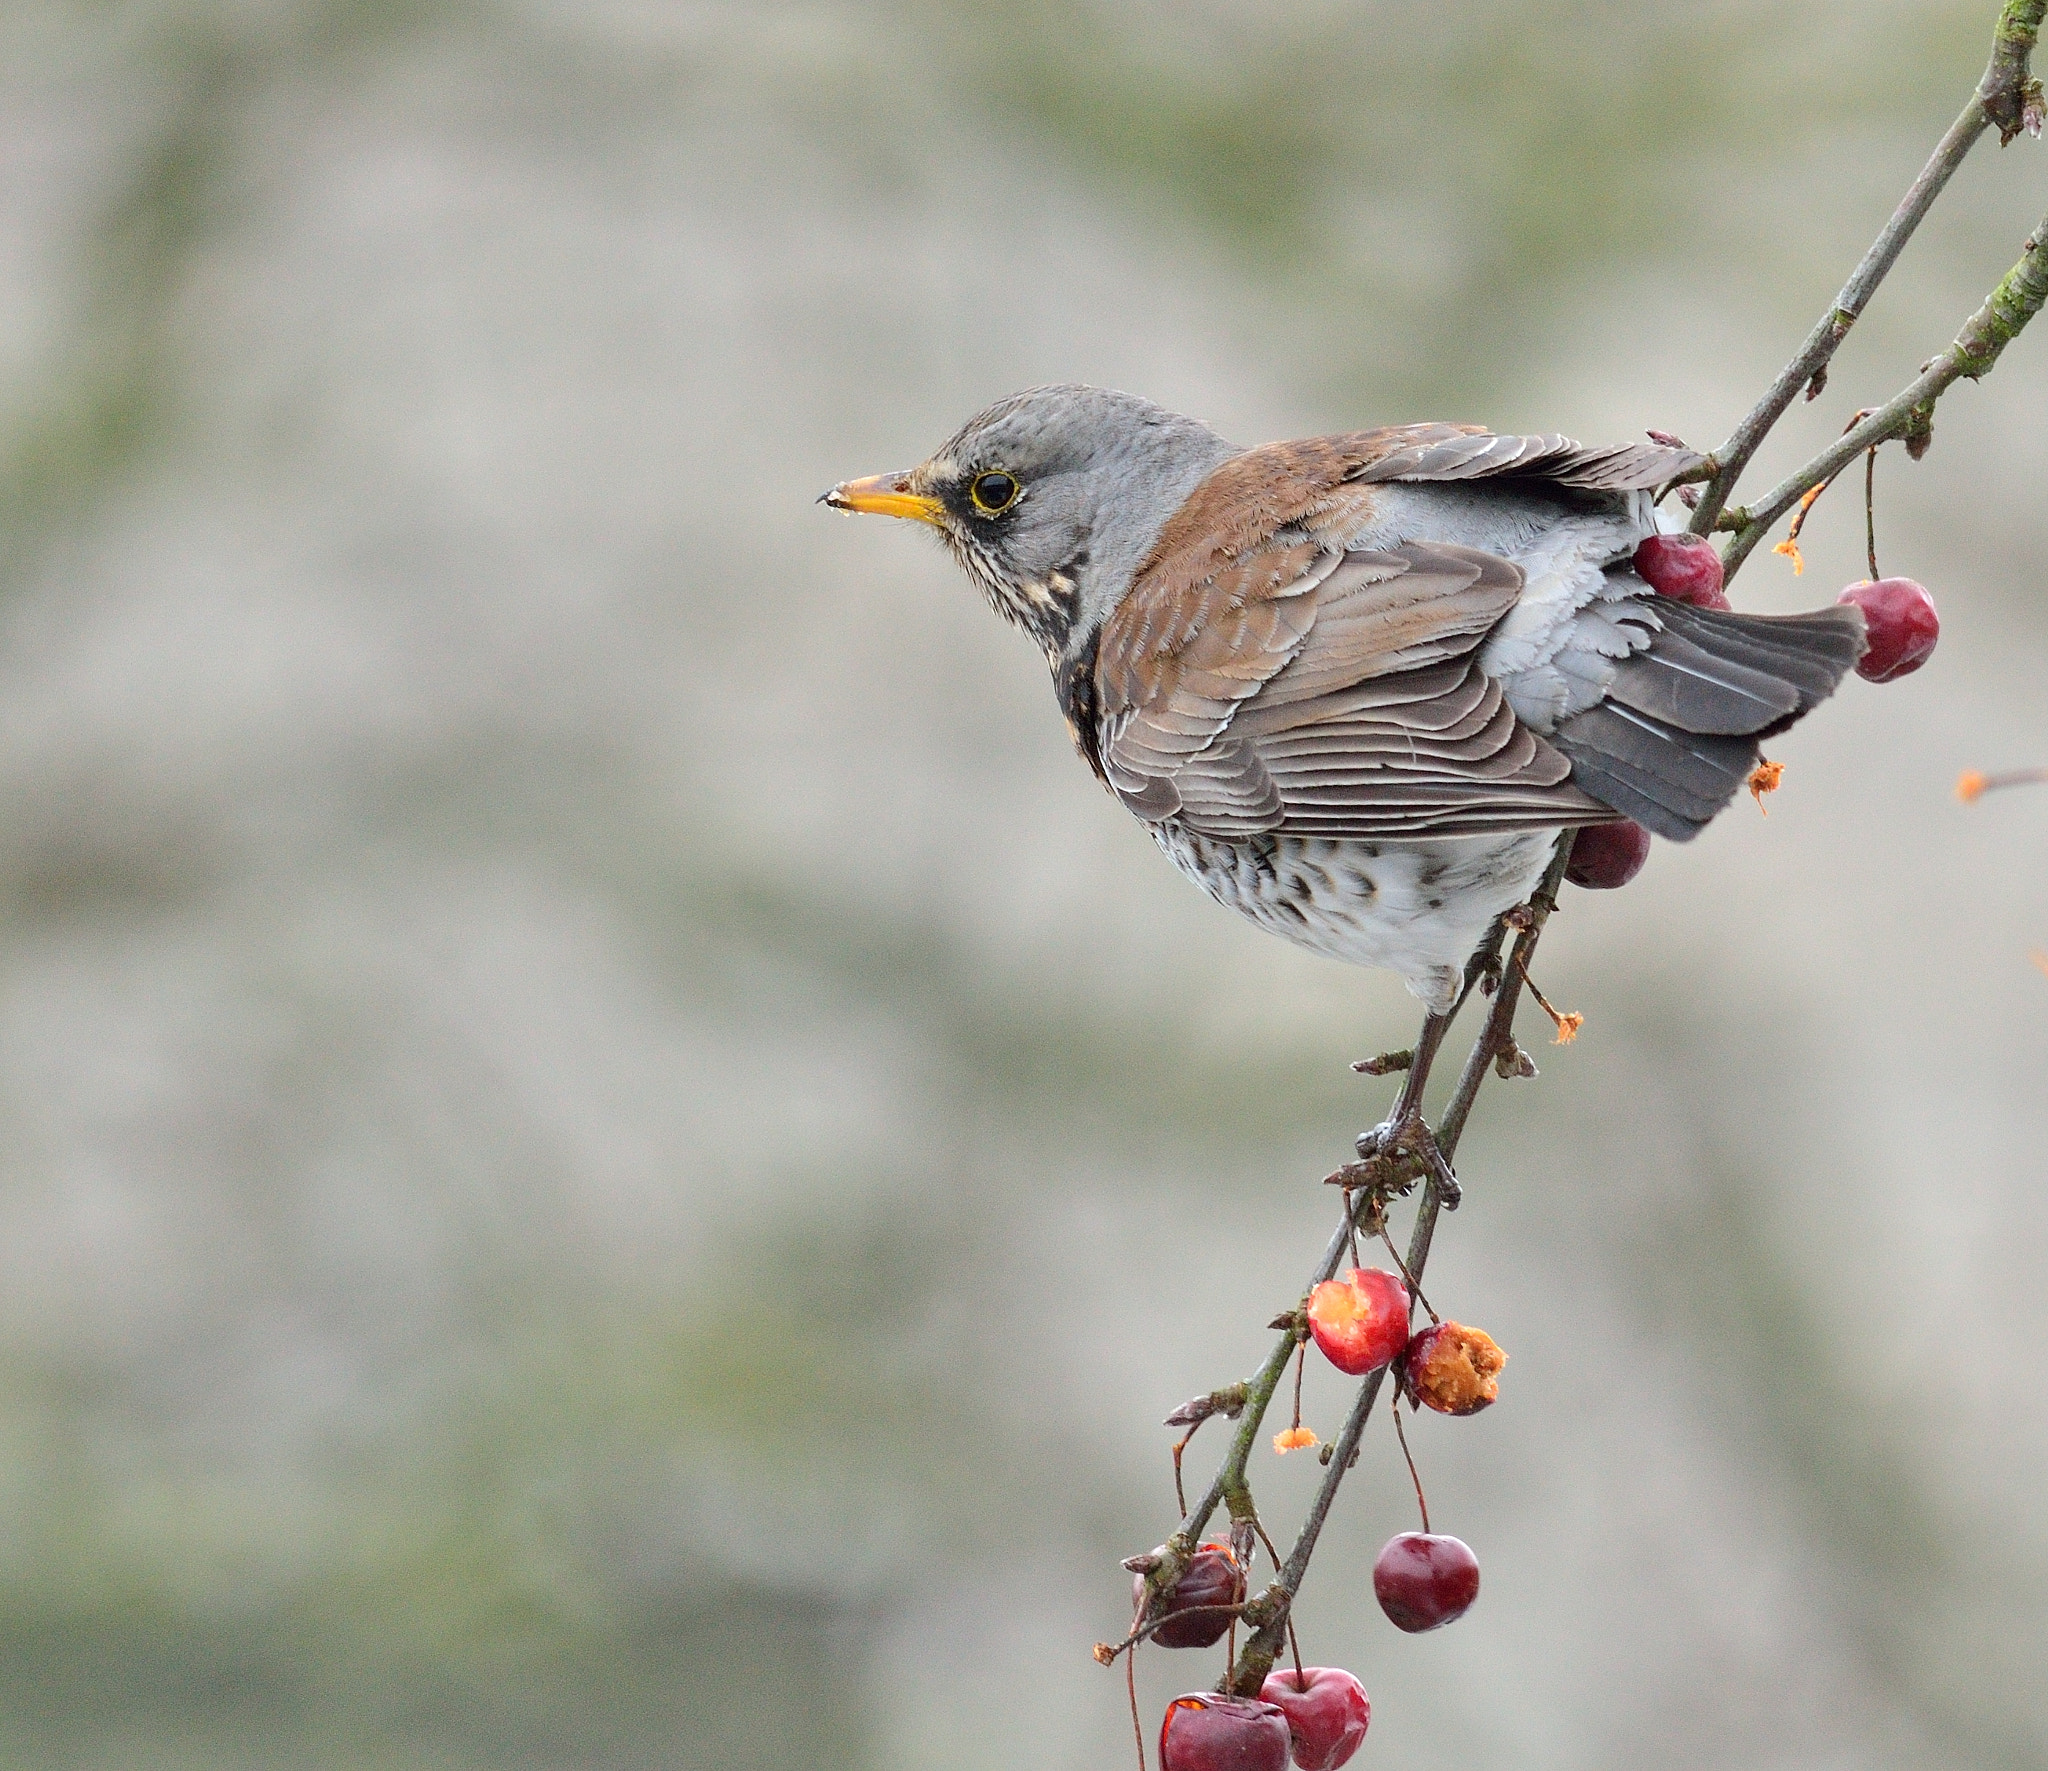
(1763, 779)
(1294, 1439)
(1972, 786)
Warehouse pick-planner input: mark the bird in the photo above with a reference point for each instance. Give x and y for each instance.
(1357, 686)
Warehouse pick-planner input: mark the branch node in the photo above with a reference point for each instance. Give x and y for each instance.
(1511, 1062)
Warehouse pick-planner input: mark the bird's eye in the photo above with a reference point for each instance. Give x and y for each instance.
(993, 493)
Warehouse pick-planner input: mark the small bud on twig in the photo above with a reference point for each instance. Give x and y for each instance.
(1385, 1064)
(1228, 1402)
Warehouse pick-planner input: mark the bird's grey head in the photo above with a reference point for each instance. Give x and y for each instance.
(1050, 499)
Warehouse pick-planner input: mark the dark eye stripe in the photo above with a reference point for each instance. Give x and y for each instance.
(993, 493)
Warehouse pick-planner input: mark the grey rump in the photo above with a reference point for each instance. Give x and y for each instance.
(1356, 685)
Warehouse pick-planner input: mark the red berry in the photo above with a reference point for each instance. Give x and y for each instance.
(1360, 1321)
(1684, 567)
(1211, 1579)
(1901, 627)
(1453, 1369)
(1206, 1732)
(1327, 1718)
(1424, 1582)
(1608, 855)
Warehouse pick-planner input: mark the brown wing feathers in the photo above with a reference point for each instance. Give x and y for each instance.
(1258, 678)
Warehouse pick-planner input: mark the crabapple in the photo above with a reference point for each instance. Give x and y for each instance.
(1359, 1321)
(1327, 1713)
(1452, 1369)
(1900, 627)
(1212, 1578)
(1605, 856)
(1683, 567)
(1424, 1581)
(1207, 1732)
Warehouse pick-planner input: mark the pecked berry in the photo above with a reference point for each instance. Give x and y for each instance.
(1207, 1732)
(1605, 856)
(1424, 1581)
(1327, 1713)
(1452, 1368)
(1212, 1578)
(1683, 567)
(1900, 627)
(1361, 1320)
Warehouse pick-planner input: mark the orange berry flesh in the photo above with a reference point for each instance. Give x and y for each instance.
(1454, 1369)
(1360, 1322)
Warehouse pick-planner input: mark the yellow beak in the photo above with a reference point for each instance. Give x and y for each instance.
(885, 495)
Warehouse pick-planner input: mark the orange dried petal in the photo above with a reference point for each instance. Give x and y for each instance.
(1293, 1439)
(1970, 786)
(1763, 779)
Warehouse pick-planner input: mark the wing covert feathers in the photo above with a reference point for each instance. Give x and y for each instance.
(1342, 700)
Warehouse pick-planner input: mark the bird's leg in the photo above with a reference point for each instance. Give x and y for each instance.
(1402, 1149)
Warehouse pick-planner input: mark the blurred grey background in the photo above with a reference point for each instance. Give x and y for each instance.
(610, 1152)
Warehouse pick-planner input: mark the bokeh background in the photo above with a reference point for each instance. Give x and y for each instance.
(608, 1153)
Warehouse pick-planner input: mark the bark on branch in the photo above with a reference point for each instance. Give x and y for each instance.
(2008, 98)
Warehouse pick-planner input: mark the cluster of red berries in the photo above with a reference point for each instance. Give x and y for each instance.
(1901, 628)
(1319, 1715)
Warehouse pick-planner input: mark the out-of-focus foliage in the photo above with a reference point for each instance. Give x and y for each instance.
(607, 1152)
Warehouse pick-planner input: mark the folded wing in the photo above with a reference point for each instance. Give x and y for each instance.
(1339, 698)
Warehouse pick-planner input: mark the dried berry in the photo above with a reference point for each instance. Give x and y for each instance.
(1212, 1579)
(1207, 1732)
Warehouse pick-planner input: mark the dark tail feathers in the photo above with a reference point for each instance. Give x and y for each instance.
(1677, 735)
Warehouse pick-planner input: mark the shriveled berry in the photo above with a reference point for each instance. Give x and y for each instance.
(1452, 1368)
(1683, 567)
(1207, 1732)
(1327, 1713)
(1423, 1581)
(1211, 1579)
(1605, 856)
(1900, 626)
(1361, 1320)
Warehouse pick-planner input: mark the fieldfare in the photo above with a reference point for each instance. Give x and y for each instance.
(1355, 686)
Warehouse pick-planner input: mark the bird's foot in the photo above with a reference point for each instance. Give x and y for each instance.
(1400, 1151)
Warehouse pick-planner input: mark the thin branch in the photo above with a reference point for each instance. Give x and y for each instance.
(1272, 1608)
(2007, 98)
(1910, 413)
(1230, 1482)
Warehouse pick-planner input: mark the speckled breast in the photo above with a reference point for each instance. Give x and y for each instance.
(1419, 909)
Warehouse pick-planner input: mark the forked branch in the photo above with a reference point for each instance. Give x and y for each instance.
(2009, 99)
